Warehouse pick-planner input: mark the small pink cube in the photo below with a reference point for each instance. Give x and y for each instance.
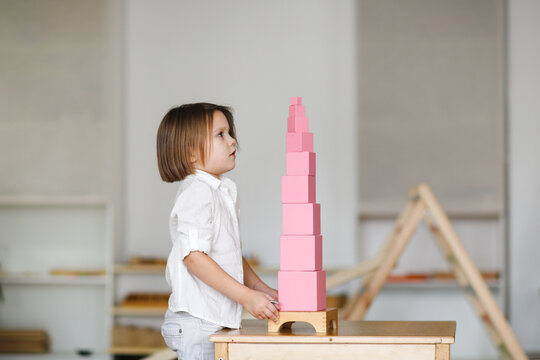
(300, 163)
(298, 189)
(296, 101)
(297, 110)
(301, 219)
(297, 124)
(302, 290)
(300, 253)
(299, 141)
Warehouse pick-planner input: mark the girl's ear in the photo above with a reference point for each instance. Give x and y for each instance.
(193, 158)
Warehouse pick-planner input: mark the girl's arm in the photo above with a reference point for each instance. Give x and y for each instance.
(253, 281)
(256, 302)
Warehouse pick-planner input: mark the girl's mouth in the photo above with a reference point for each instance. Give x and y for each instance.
(233, 153)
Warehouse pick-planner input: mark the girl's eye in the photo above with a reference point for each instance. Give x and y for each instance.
(220, 134)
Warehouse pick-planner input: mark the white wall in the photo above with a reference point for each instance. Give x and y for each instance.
(253, 56)
(524, 116)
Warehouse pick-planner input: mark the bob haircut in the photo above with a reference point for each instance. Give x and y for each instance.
(184, 132)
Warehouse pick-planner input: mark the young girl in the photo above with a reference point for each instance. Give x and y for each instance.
(210, 280)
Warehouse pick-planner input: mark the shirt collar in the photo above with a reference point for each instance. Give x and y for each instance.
(230, 186)
(207, 178)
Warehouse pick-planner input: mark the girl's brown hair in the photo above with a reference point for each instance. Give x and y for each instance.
(183, 132)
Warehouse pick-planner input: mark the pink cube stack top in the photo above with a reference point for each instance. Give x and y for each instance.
(301, 280)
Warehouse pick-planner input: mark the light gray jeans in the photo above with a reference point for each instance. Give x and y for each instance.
(189, 336)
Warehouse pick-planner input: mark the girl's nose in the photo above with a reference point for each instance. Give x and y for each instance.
(233, 141)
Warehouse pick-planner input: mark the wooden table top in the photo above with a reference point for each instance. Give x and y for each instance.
(351, 332)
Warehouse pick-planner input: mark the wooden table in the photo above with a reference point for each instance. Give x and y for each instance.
(416, 340)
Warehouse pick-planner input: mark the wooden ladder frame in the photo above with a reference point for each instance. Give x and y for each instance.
(424, 205)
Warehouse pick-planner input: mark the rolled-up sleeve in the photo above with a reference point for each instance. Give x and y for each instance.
(193, 211)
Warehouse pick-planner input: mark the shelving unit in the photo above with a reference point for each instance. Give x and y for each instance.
(62, 157)
(119, 312)
(38, 235)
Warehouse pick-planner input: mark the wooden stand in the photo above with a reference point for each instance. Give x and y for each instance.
(322, 321)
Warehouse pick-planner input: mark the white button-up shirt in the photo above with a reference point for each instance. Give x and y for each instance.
(205, 218)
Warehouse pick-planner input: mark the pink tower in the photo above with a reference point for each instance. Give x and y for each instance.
(301, 280)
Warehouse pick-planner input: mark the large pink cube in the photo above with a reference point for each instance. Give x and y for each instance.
(298, 124)
(302, 290)
(297, 110)
(300, 253)
(299, 141)
(301, 163)
(298, 189)
(301, 219)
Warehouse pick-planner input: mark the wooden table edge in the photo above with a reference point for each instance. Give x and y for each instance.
(225, 336)
(298, 339)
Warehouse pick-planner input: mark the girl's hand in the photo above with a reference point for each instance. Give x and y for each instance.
(273, 294)
(262, 287)
(258, 304)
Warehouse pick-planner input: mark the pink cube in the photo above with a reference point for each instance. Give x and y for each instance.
(296, 101)
(298, 189)
(299, 141)
(300, 163)
(297, 110)
(301, 219)
(302, 290)
(300, 253)
(298, 124)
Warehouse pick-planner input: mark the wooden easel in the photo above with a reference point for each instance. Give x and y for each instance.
(423, 204)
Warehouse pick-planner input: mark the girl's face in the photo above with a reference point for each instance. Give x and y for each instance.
(222, 156)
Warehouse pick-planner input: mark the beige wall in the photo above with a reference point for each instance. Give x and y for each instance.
(55, 121)
(431, 102)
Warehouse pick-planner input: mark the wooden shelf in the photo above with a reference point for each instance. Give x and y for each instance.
(139, 269)
(52, 201)
(138, 311)
(160, 269)
(133, 350)
(273, 270)
(367, 213)
(46, 279)
(55, 356)
(433, 285)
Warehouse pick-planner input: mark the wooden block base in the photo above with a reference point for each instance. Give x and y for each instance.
(322, 321)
